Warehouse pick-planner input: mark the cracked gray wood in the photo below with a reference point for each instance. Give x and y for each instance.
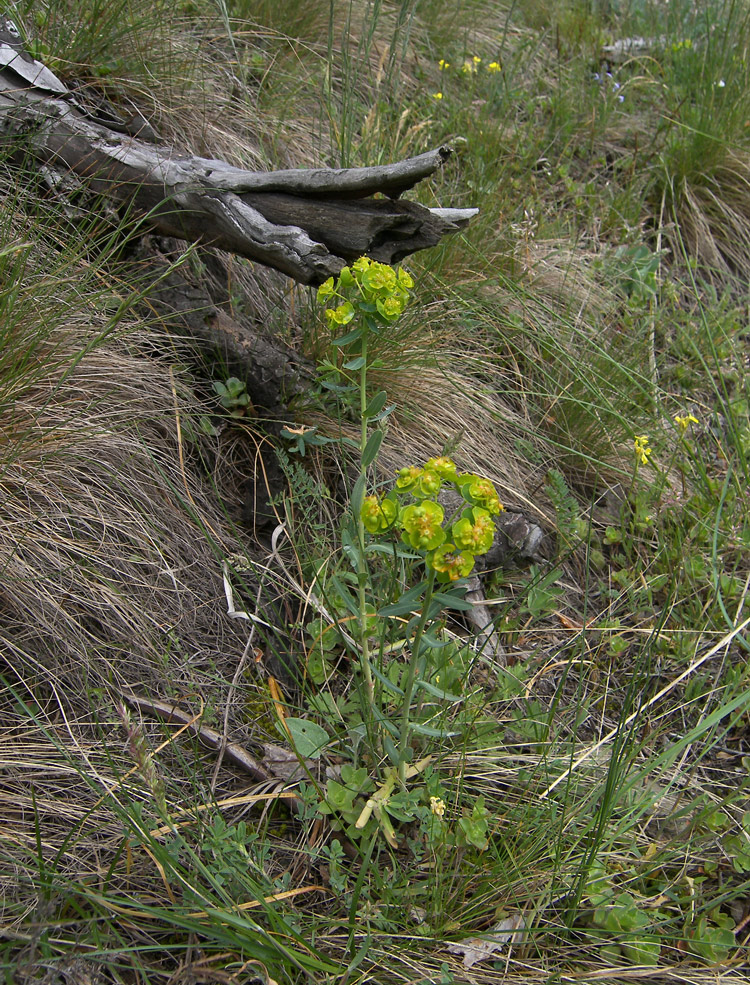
(307, 223)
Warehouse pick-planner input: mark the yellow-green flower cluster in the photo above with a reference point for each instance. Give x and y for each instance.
(450, 563)
(378, 515)
(479, 492)
(412, 509)
(383, 291)
(422, 525)
(475, 531)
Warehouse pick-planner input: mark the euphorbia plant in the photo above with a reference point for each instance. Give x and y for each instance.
(448, 545)
(371, 296)
(375, 294)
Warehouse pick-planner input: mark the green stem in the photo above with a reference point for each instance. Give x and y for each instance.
(362, 561)
(411, 674)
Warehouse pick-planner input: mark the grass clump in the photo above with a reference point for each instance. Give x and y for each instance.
(561, 792)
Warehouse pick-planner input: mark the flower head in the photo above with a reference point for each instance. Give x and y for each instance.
(379, 277)
(404, 278)
(480, 492)
(641, 447)
(422, 523)
(474, 532)
(341, 315)
(407, 477)
(494, 67)
(444, 466)
(683, 421)
(450, 563)
(437, 95)
(428, 484)
(390, 308)
(326, 290)
(443, 64)
(378, 515)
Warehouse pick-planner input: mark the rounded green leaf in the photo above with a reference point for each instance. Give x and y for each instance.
(309, 738)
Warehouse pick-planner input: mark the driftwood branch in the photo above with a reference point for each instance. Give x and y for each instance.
(306, 223)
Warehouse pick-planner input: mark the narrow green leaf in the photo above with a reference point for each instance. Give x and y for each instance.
(356, 363)
(433, 643)
(383, 414)
(449, 601)
(358, 495)
(351, 551)
(338, 587)
(376, 548)
(372, 448)
(376, 404)
(388, 685)
(437, 692)
(434, 733)
(390, 749)
(347, 339)
(406, 603)
(337, 387)
(399, 608)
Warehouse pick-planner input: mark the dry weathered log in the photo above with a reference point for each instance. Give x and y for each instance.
(197, 307)
(307, 223)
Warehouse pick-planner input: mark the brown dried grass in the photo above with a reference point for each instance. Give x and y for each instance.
(110, 549)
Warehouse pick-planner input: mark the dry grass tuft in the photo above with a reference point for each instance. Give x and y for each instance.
(561, 277)
(713, 215)
(111, 544)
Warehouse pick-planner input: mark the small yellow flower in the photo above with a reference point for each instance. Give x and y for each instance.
(642, 450)
(683, 422)
(494, 67)
(443, 64)
(437, 806)
(477, 60)
(437, 95)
